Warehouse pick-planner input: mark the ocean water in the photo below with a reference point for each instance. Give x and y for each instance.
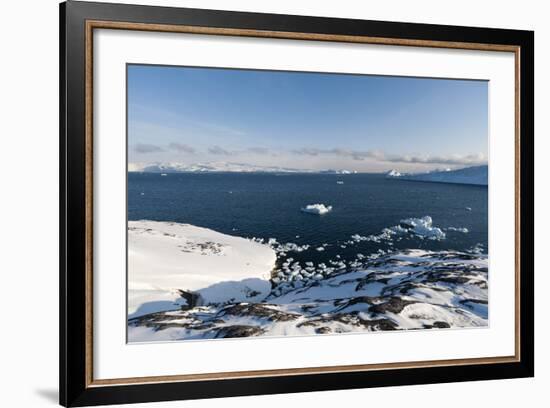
(268, 206)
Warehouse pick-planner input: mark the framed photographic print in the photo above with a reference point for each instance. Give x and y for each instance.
(256, 203)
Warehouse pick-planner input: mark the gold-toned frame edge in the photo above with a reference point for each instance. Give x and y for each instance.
(93, 24)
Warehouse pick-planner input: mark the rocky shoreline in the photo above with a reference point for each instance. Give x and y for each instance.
(405, 290)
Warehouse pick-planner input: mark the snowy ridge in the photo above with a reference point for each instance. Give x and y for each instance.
(171, 265)
(477, 175)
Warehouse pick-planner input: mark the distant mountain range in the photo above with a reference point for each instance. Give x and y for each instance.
(477, 175)
(222, 167)
(470, 175)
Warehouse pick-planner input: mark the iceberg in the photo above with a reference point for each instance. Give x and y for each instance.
(423, 228)
(318, 209)
(393, 173)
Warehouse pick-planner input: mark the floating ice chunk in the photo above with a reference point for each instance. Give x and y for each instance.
(318, 209)
(423, 228)
(468, 208)
(320, 249)
(393, 173)
(339, 182)
(458, 229)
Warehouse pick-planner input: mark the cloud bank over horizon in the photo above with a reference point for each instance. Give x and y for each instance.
(302, 158)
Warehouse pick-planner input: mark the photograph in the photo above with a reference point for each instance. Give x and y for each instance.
(284, 203)
(255, 202)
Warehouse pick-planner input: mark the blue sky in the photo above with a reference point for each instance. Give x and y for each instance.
(304, 120)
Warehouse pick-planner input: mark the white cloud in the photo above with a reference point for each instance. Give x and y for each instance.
(377, 155)
(181, 148)
(147, 148)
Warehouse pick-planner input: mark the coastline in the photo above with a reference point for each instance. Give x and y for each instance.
(237, 296)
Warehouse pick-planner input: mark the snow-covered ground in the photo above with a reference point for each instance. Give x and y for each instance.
(169, 262)
(240, 297)
(477, 175)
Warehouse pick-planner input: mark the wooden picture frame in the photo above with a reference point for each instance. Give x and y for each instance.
(78, 20)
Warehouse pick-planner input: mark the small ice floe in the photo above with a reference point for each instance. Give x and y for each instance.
(318, 209)
(418, 227)
(477, 249)
(320, 249)
(468, 208)
(142, 194)
(422, 227)
(339, 182)
(393, 173)
(163, 174)
(458, 229)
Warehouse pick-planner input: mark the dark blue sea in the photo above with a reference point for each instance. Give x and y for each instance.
(268, 206)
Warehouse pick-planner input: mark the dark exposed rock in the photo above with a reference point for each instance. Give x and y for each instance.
(153, 318)
(253, 293)
(258, 310)
(457, 280)
(238, 331)
(394, 305)
(379, 324)
(360, 299)
(351, 319)
(481, 284)
(159, 321)
(437, 325)
(192, 299)
(480, 301)
(323, 330)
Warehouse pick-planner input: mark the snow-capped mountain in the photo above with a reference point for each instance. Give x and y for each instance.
(219, 167)
(477, 175)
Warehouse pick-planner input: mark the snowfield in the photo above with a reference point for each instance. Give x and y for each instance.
(187, 282)
(477, 175)
(170, 265)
